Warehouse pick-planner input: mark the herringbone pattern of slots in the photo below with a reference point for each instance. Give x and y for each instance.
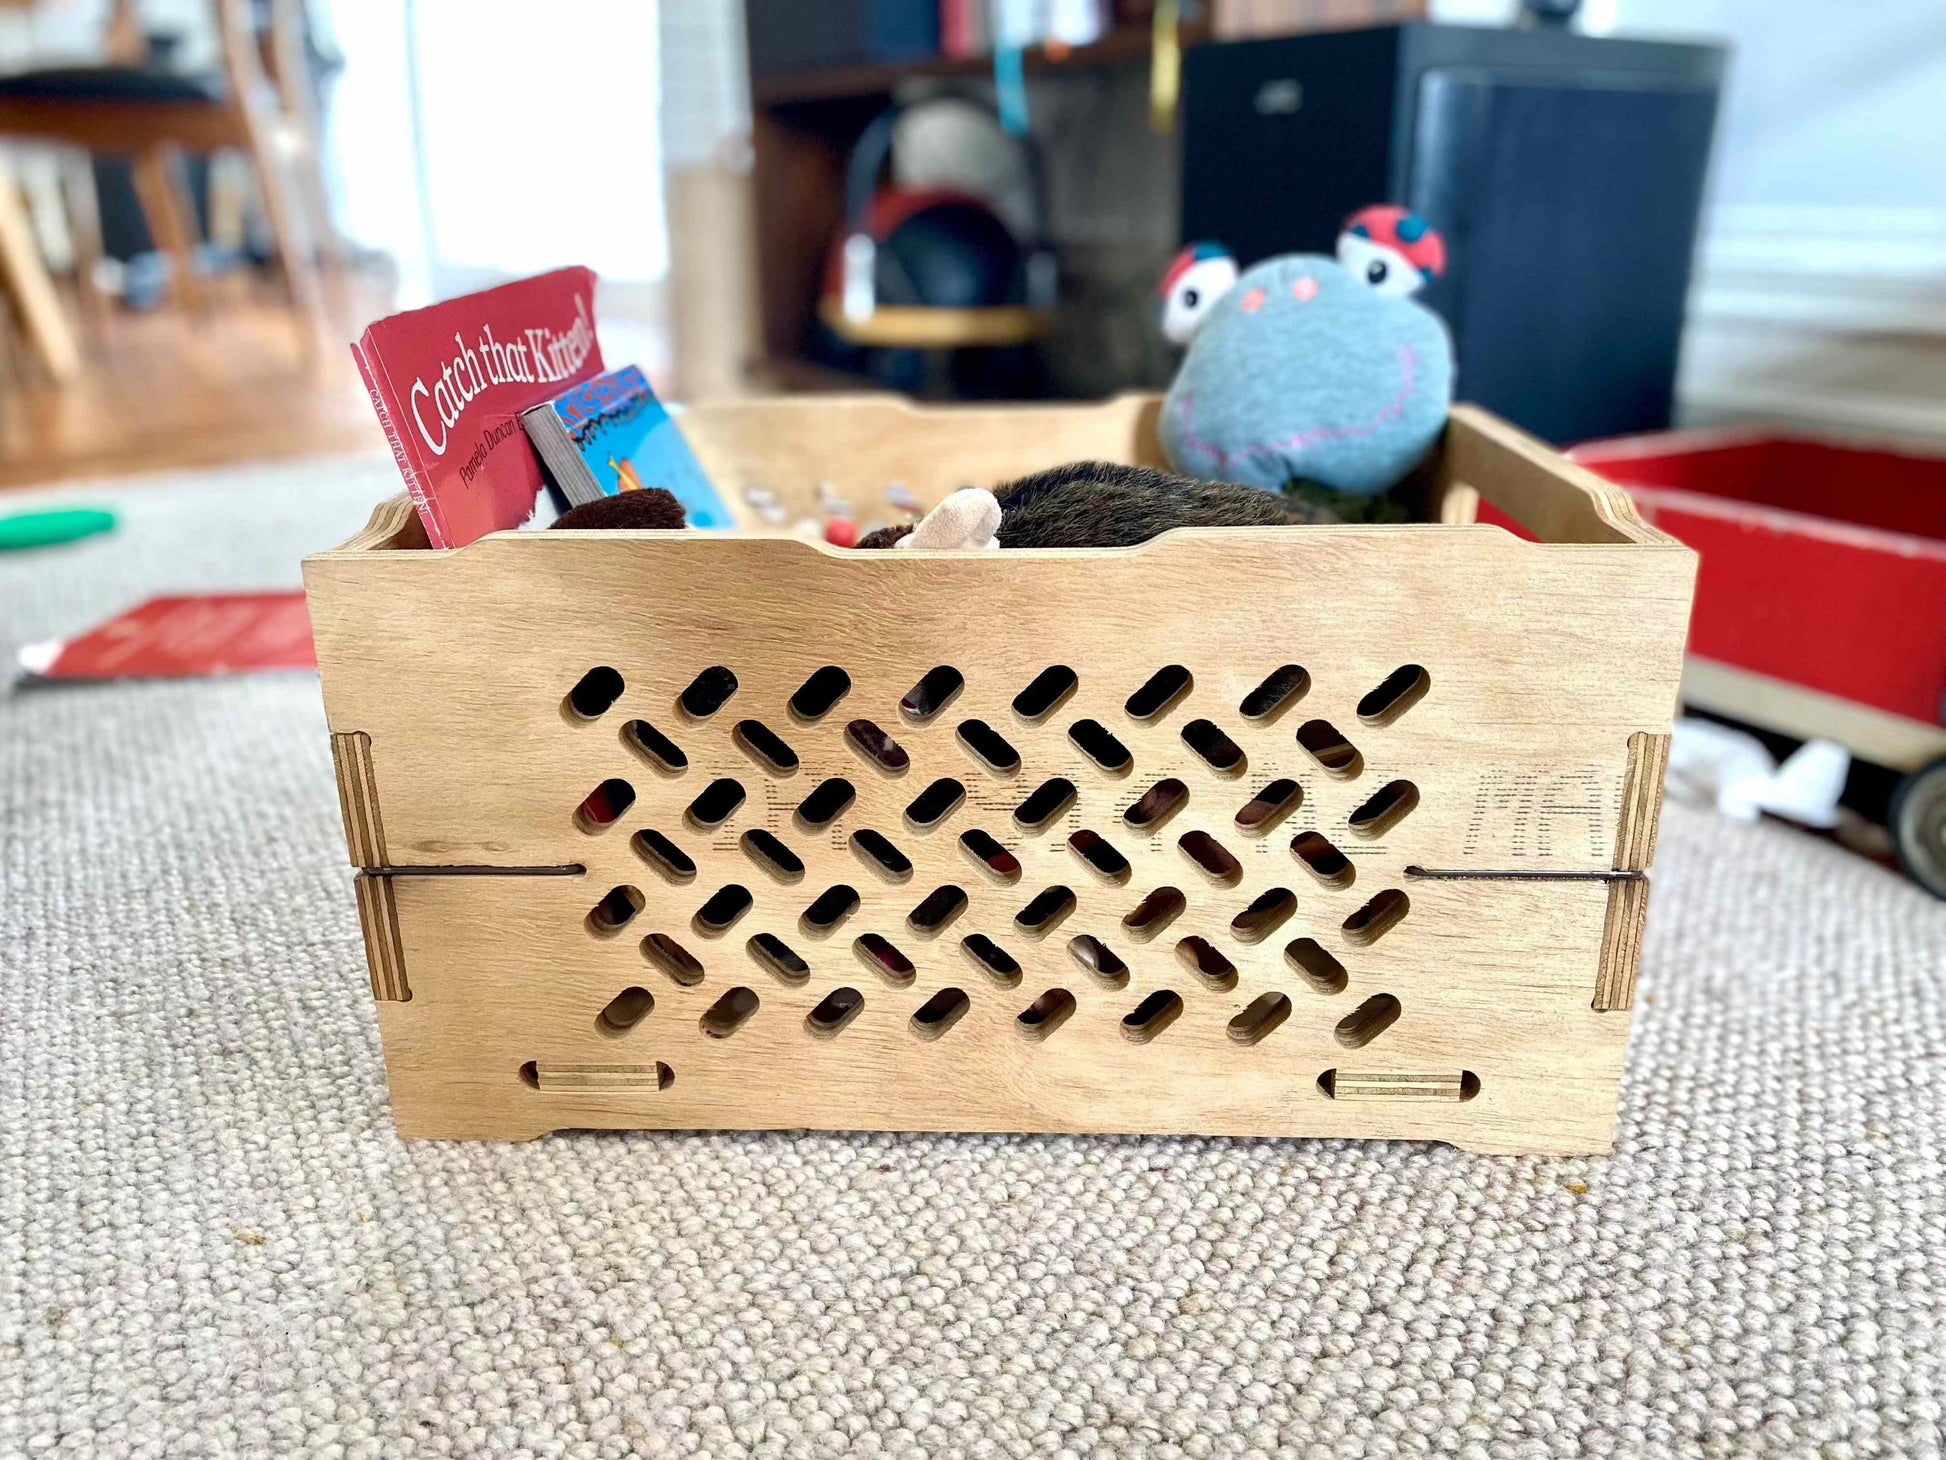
(1059, 852)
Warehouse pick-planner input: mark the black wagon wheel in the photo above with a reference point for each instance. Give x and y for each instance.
(1918, 823)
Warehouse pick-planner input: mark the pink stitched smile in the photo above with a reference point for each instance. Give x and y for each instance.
(1299, 442)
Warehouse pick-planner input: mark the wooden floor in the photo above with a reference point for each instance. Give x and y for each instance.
(241, 380)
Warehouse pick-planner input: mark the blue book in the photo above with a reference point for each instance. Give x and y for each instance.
(611, 435)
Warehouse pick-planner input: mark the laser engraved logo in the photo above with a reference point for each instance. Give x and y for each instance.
(1526, 815)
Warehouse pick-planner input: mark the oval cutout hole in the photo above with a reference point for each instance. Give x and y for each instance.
(934, 804)
(729, 1013)
(1369, 1020)
(1390, 805)
(989, 747)
(1337, 755)
(1157, 804)
(1284, 687)
(1211, 858)
(772, 855)
(881, 957)
(1204, 959)
(1046, 911)
(818, 695)
(664, 855)
(595, 693)
(1469, 1085)
(708, 692)
(1163, 692)
(604, 805)
(1045, 1015)
(1096, 741)
(1264, 916)
(530, 1075)
(721, 912)
(994, 858)
(826, 803)
(1259, 1017)
(1270, 806)
(1308, 958)
(941, 906)
(615, 911)
(834, 1011)
(1403, 688)
(1153, 1015)
(877, 747)
(716, 805)
(777, 957)
(1377, 917)
(673, 959)
(1155, 912)
(1102, 858)
(660, 751)
(656, 1075)
(993, 960)
(1099, 959)
(939, 688)
(878, 853)
(627, 1009)
(1049, 800)
(765, 746)
(1322, 860)
(1048, 692)
(1220, 753)
(831, 908)
(940, 1013)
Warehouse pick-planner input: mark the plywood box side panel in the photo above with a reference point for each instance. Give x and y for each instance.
(1542, 665)
(861, 444)
(1492, 980)
(1556, 500)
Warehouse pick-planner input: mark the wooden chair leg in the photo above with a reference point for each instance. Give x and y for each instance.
(171, 221)
(24, 276)
(275, 184)
(331, 245)
(84, 227)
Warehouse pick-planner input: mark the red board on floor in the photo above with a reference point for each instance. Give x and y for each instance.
(1822, 565)
(201, 636)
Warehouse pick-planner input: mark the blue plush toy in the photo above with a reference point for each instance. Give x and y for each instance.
(1307, 368)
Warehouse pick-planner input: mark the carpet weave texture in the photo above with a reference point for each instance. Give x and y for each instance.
(212, 1242)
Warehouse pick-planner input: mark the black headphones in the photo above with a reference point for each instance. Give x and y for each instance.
(861, 262)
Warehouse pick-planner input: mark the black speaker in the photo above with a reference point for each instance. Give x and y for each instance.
(1565, 171)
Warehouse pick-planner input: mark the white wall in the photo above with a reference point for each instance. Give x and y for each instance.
(539, 148)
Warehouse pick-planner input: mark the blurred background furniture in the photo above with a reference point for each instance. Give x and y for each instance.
(1565, 170)
(259, 103)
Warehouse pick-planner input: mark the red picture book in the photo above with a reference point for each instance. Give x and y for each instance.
(449, 384)
(185, 638)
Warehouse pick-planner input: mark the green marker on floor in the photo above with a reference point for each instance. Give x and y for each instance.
(48, 529)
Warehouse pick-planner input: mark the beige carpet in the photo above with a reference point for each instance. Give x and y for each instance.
(212, 1243)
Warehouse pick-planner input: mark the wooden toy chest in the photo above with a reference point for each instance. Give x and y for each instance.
(1327, 832)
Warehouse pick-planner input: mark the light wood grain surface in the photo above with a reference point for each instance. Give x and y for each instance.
(1543, 662)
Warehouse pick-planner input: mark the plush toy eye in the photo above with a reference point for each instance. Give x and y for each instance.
(1199, 278)
(1383, 269)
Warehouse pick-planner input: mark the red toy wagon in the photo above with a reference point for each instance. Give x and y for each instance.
(1821, 603)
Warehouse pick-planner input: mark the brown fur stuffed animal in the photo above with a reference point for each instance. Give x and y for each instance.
(1085, 504)
(1093, 504)
(654, 507)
